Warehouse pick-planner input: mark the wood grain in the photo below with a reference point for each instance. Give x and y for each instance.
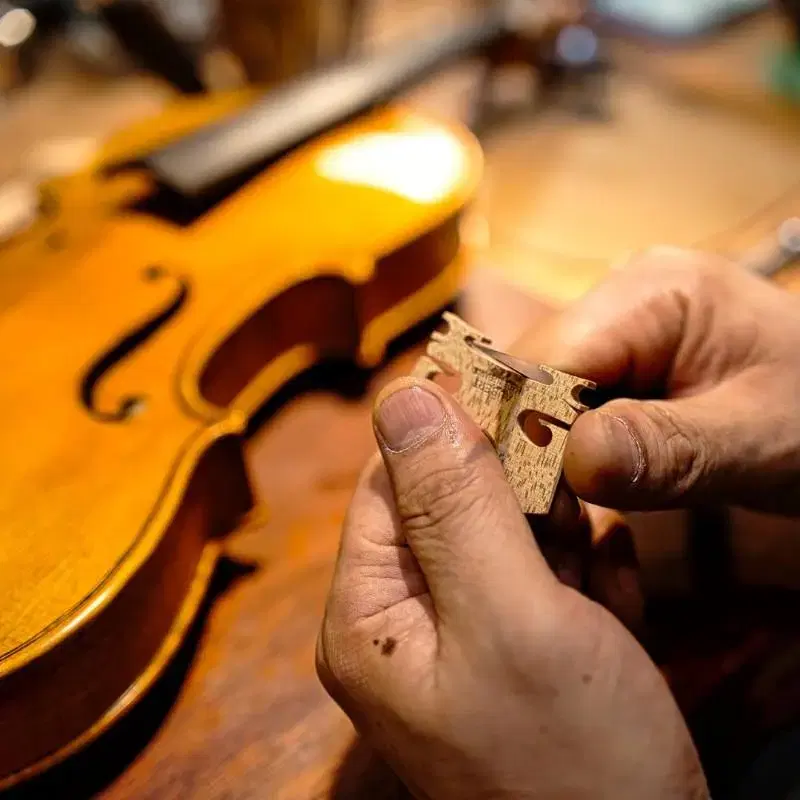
(525, 410)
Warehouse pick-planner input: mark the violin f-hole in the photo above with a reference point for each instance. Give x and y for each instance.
(130, 405)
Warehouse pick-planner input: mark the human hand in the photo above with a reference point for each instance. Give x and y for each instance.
(717, 351)
(461, 657)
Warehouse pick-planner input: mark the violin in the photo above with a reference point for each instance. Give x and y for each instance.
(154, 303)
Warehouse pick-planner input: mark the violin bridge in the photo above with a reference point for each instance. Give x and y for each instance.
(501, 394)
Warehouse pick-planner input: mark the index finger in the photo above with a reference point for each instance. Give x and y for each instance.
(626, 332)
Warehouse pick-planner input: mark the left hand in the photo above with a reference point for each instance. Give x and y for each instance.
(458, 653)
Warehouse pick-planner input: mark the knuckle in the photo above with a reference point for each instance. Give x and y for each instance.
(446, 494)
(684, 460)
(708, 276)
(692, 271)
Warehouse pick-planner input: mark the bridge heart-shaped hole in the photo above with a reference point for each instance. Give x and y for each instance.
(531, 423)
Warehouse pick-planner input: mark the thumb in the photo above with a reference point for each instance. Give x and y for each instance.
(458, 514)
(653, 455)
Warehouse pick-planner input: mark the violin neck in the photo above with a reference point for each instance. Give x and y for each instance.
(305, 108)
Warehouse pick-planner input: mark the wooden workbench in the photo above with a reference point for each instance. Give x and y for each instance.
(240, 713)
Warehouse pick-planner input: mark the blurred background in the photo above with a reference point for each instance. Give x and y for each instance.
(601, 128)
(673, 72)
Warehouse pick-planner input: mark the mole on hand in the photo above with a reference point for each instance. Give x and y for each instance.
(388, 646)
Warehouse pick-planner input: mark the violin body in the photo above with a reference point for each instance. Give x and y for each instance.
(135, 345)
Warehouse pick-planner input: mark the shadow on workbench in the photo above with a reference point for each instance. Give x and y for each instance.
(363, 775)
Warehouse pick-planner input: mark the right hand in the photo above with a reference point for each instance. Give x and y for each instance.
(713, 355)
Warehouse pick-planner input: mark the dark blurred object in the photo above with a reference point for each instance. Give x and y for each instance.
(786, 64)
(733, 663)
(135, 24)
(578, 62)
(559, 44)
(149, 42)
(775, 774)
(276, 40)
(791, 9)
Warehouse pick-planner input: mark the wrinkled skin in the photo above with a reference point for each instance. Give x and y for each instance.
(450, 641)
(718, 350)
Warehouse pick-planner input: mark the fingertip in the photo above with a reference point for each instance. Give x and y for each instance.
(616, 584)
(564, 537)
(408, 414)
(604, 459)
(413, 417)
(566, 513)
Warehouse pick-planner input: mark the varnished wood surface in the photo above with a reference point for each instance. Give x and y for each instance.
(240, 714)
(248, 718)
(98, 507)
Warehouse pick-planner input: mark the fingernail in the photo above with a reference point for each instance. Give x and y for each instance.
(605, 458)
(409, 416)
(626, 444)
(611, 440)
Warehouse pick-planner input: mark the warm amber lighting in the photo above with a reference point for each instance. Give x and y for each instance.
(19, 201)
(421, 165)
